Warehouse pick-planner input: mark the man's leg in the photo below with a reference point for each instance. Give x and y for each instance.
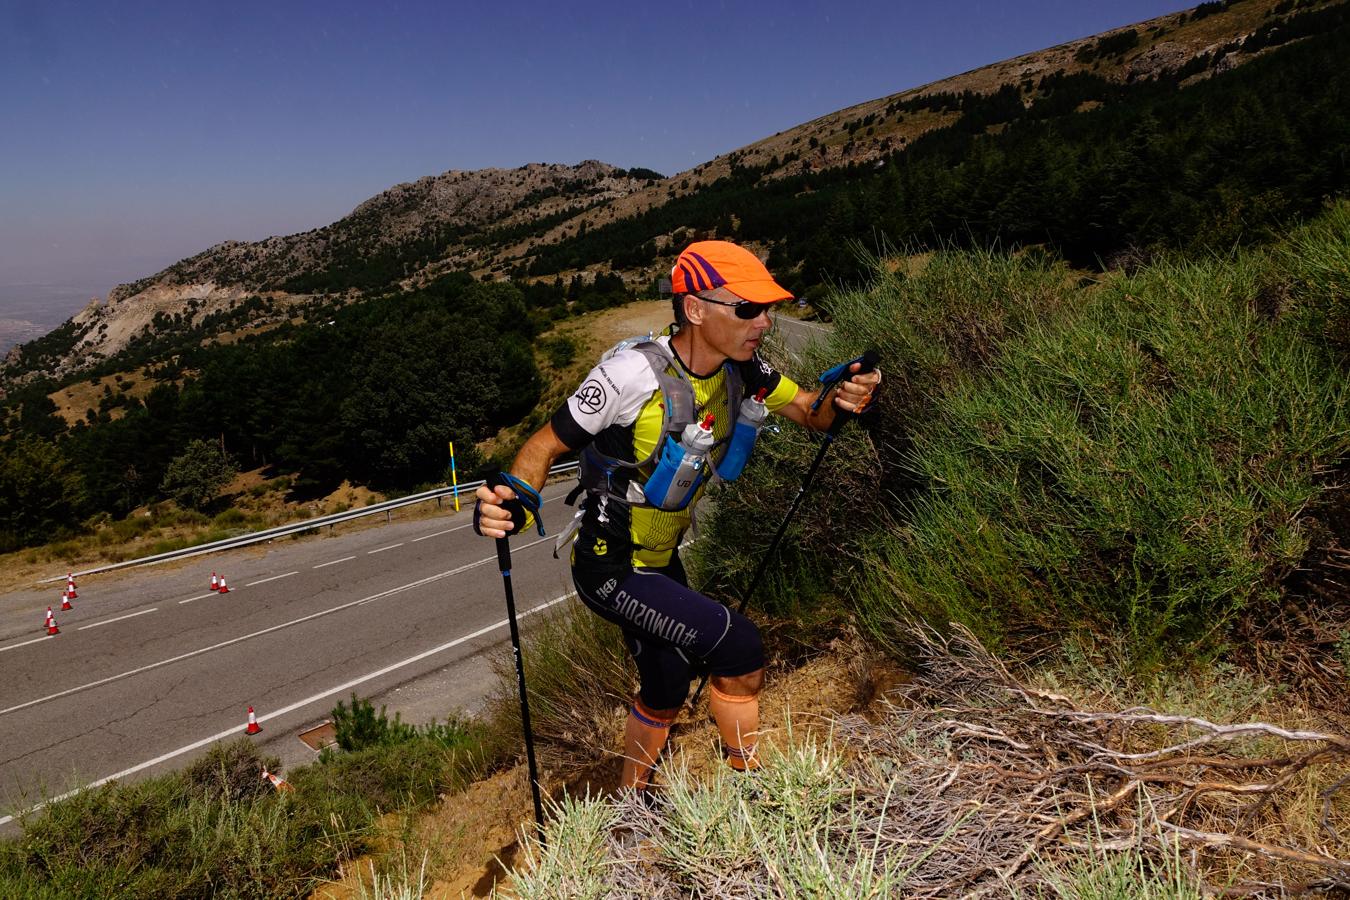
(664, 675)
(734, 704)
(666, 625)
(643, 737)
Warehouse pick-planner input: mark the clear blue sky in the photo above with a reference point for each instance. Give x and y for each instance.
(133, 134)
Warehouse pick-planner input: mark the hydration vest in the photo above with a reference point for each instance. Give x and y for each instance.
(597, 470)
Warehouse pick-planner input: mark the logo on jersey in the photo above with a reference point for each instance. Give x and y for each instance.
(607, 588)
(600, 548)
(591, 397)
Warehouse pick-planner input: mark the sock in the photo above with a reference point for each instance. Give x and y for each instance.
(643, 737)
(738, 721)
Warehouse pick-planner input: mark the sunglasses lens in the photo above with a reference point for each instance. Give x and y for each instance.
(747, 310)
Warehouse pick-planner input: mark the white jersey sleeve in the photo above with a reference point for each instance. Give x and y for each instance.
(613, 393)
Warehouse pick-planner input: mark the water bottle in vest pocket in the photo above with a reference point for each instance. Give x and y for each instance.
(751, 418)
(682, 467)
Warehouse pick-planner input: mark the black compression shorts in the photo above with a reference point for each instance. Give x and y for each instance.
(670, 629)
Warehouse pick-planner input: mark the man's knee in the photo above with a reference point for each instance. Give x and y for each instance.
(660, 693)
(747, 685)
(740, 652)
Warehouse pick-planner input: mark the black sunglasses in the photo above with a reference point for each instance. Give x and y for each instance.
(744, 309)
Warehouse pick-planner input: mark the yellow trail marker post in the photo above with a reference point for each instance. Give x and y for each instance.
(454, 476)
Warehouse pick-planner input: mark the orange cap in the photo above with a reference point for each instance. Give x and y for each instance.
(712, 264)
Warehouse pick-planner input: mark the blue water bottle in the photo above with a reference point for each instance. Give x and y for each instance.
(681, 469)
(748, 422)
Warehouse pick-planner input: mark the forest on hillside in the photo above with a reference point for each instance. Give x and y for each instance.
(371, 393)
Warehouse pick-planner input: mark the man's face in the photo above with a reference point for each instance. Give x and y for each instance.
(727, 333)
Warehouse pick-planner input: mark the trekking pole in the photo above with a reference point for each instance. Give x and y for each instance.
(868, 361)
(529, 497)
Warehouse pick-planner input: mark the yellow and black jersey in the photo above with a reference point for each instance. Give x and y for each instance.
(619, 408)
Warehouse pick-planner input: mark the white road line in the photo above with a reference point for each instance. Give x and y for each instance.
(382, 549)
(273, 578)
(26, 643)
(198, 597)
(345, 686)
(259, 633)
(119, 618)
(335, 562)
(439, 533)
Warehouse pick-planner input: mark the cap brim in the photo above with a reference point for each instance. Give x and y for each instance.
(766, 291)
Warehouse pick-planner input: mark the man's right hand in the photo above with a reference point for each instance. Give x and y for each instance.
(490, 517)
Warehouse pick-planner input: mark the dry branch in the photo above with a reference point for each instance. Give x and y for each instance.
(1048, 779)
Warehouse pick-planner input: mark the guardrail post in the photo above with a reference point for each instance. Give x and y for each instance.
(388, 516)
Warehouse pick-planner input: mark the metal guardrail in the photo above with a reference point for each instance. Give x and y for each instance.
(269, 534)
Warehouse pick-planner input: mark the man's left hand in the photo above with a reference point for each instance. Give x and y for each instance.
(855, 394)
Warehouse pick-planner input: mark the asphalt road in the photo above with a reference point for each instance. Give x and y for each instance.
(150, 667)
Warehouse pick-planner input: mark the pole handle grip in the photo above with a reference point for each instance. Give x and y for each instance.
(527, 497)
(866, 363)
(832, 376)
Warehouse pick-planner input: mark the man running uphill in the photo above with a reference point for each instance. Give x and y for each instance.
(638, 416)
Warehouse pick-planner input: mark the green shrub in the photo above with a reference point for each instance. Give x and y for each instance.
(168, 545)
(1313, 268)
(358, 726)
(215, 829)
(197, 475)
(1137, 469)
(231, 772)
(228, 518)
(388, 776)
(559, 350)
(131, 528)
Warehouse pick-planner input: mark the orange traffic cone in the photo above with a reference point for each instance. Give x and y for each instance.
(215, 582)
(70, 586)
(66, 598)
(253, 726)
(278, 782)
(224, 589)
(51, 623)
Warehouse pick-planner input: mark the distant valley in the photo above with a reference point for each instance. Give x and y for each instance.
(28, 311)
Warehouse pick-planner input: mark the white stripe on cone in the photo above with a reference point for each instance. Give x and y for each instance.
(277, 781)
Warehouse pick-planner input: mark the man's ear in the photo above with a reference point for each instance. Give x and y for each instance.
(693, 310)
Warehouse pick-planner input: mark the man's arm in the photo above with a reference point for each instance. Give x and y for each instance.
(531, 465)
